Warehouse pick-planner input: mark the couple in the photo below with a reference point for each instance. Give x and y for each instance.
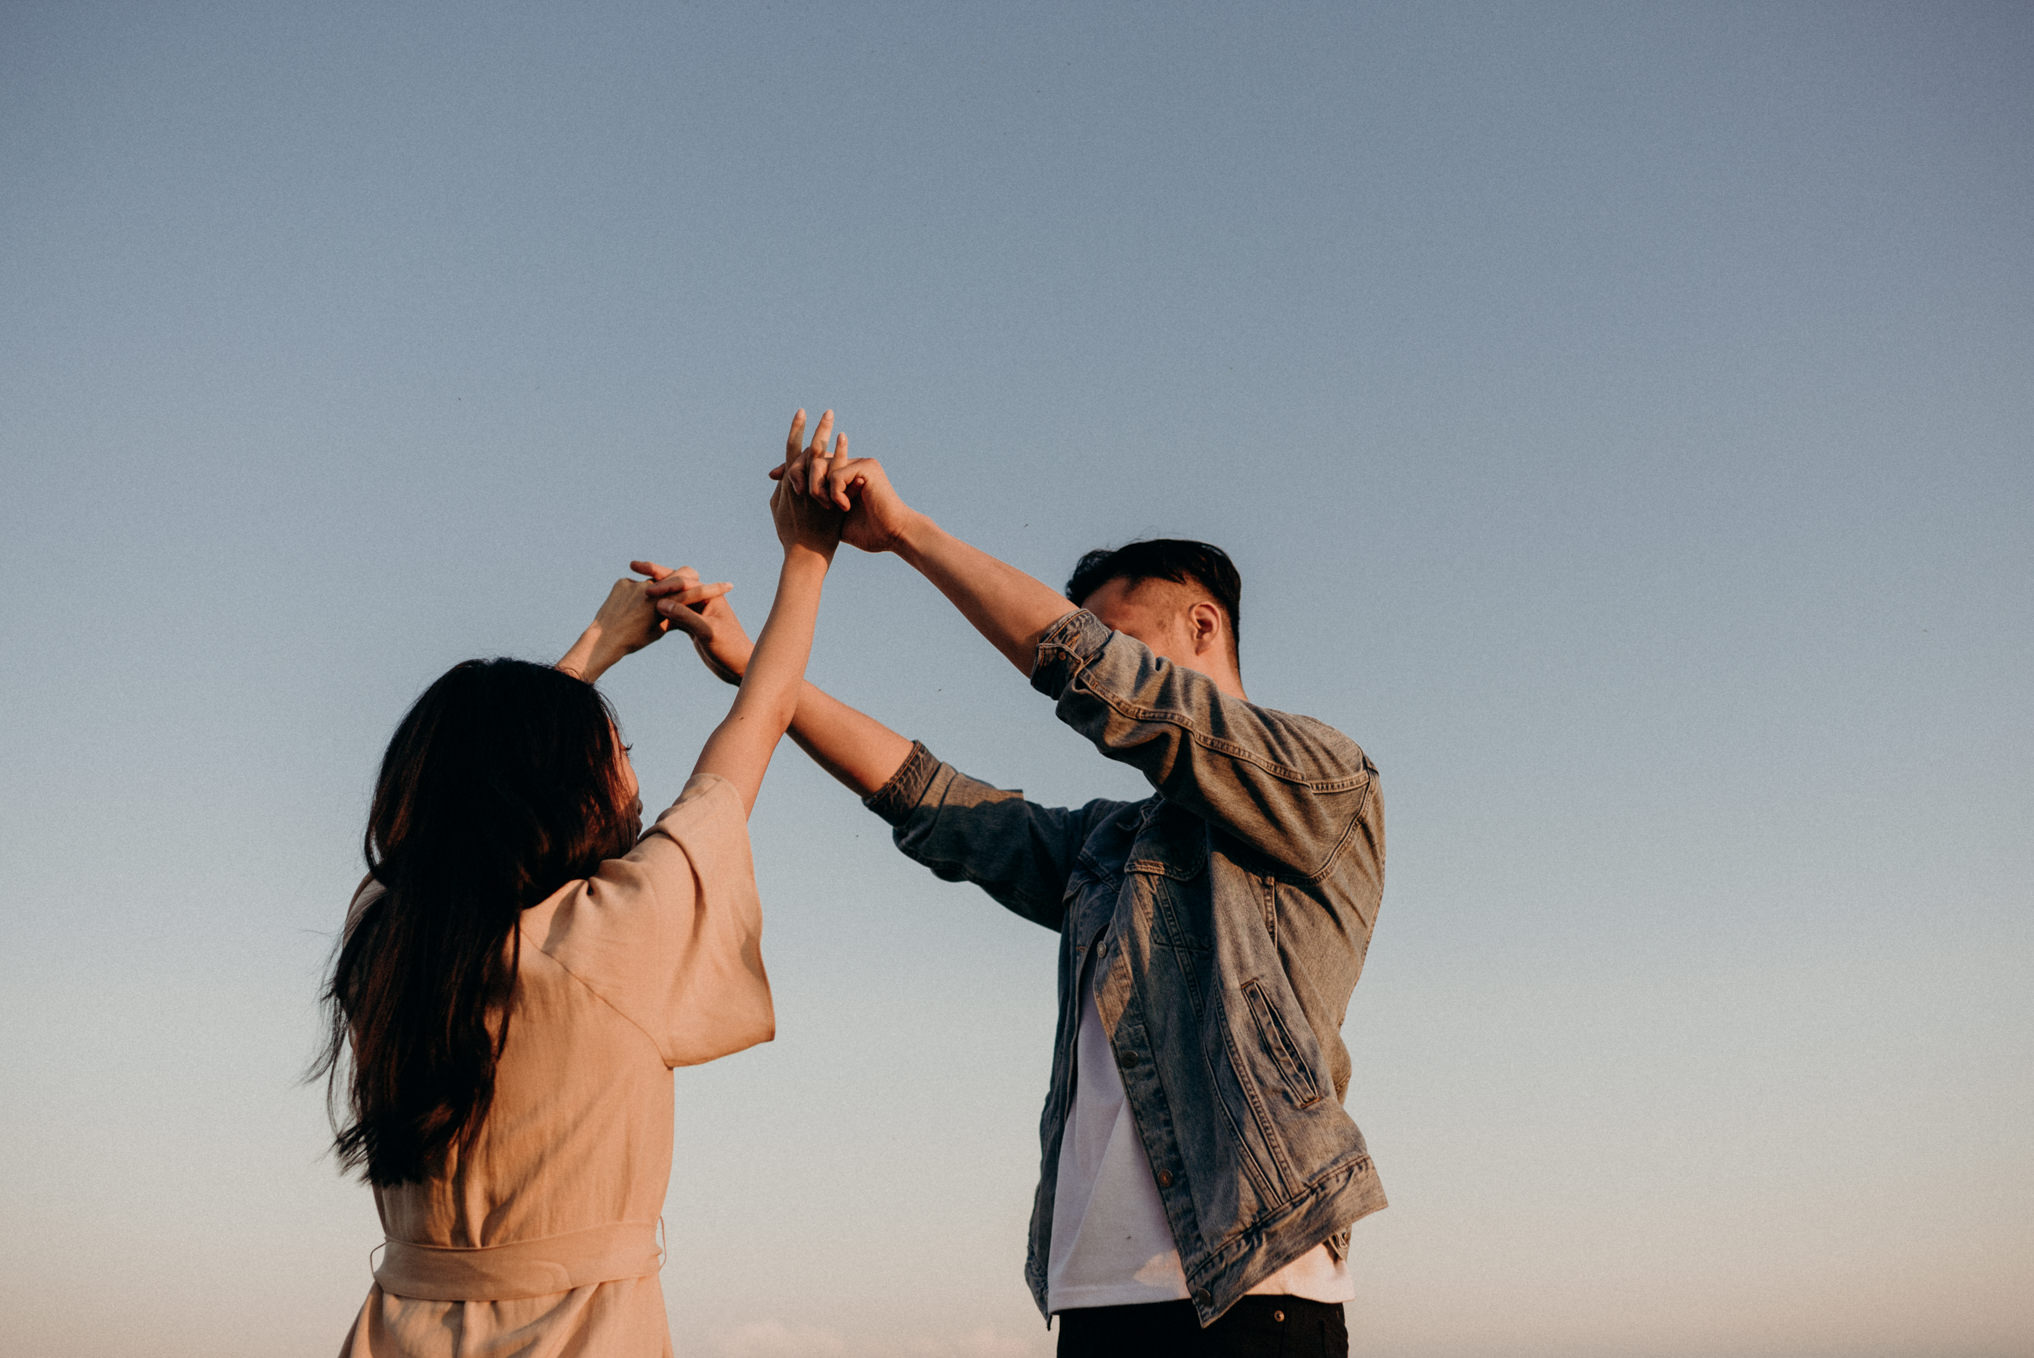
(524, 966)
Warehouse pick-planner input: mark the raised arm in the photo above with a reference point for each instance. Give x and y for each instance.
(740, 747)
(628, 620)
(962, 829)
(1295, 789)
(854, 747)
(1006, 606)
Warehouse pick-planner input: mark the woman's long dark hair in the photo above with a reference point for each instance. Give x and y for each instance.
(501, 785)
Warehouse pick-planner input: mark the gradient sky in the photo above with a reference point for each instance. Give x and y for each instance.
(1620, 415)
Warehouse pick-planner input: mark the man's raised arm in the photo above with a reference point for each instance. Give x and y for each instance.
(1291, 787)
(850, 744)
(1010, 608)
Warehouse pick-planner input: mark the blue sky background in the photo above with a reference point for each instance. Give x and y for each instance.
(1620, 416)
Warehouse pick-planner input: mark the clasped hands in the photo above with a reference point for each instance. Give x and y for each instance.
(822, 497)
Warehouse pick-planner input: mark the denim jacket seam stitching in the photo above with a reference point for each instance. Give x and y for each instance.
(891, 793)
(1282, 772)
(1281, 1166)
(1300, 1080)
(1320, 786)
(1072, 632)
(1248, 1158)
(973, 878)
(1348, 833)
(1080, 663)
(1353, 1169)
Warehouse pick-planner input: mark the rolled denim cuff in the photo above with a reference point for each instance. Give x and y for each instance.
(1065, 650)
(896, 799)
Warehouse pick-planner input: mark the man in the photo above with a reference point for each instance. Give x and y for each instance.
(1199, 1174)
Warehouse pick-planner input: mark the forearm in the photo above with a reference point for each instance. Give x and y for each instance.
(859, 751)
(854, 747)
(589, 657)
(776, 667)
(740, 747)
(1005, 605)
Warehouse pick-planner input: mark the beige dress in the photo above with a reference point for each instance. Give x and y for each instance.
(540, 1239)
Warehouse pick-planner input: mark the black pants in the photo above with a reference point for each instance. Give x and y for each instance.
(1255, 1327)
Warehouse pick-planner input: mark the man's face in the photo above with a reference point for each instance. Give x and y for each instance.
(1154, 612)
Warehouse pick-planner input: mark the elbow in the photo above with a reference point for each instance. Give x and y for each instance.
(770, 711)
(782, 711)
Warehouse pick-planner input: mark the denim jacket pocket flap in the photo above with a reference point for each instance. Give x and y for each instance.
(1172, 844)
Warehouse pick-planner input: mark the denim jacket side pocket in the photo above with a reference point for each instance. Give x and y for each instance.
(1300, 1080)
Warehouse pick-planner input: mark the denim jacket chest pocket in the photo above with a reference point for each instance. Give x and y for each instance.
(1167, 864)
(1091, 891)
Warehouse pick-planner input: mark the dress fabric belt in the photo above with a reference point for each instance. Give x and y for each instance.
(520, 1268)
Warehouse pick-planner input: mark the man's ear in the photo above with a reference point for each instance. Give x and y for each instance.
(1204, 621)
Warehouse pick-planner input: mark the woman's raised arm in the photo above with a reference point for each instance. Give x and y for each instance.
(627, 621)
(740, 747)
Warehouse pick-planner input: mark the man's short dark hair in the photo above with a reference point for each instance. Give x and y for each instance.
(1180, 560)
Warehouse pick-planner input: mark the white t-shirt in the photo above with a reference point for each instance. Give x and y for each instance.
(1111, 1244)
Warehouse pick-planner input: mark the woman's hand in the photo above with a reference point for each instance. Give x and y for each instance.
(628, 620)
(806, 522)
(877, 519)
(703, 613)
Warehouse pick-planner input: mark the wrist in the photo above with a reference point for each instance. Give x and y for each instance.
(805, 558)
(915, 536)
(726, 661)
(578, 660)
(600, 658)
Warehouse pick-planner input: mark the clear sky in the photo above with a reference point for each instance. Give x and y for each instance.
(1620, 415)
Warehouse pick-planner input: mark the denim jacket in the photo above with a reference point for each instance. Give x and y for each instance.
(1227, 917)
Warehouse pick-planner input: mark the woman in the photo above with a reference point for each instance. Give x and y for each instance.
(520, 973)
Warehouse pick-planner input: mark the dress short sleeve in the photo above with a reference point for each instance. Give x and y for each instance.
(670, 935)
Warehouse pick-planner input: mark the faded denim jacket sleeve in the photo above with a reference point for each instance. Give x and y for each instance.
(1290, 787)
(1019, 852)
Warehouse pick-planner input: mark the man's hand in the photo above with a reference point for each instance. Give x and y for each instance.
(702, 613)
(877, 518)
(1006, 606)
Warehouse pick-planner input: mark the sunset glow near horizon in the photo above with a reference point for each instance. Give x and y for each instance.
(1620, 416)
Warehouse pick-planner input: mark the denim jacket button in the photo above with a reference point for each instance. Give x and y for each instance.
(1164, 1178)
(1201, 1297)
